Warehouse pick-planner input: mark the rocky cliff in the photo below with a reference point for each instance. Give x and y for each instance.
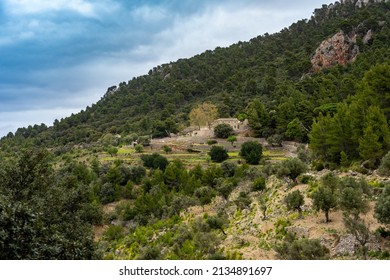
(339, 49)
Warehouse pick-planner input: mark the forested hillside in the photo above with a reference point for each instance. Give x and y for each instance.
(275, 70)
(308, 180)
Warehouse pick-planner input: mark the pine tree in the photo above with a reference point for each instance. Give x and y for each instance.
(376, 136)
(318, 137)
(369, 146)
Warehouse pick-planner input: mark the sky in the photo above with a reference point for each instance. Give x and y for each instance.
(59, 56)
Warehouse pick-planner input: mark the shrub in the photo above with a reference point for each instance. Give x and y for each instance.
(167, 149)
(384, 168)
(139, 148)
(232, 139)
(251, 151)
(243, 201)
(137, 173)
(228, 168)
(112, 150)
(218, 154)
(258, 184)
(155, 161)
(291, 168)
(382, 207)
(275, 140)
(302, 249)
(113, 232)
(295, 201)
(223, 130)
(211, 142)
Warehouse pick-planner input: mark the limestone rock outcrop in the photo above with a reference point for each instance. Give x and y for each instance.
(339, 49)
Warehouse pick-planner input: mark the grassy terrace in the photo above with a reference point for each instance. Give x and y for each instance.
(198, 156)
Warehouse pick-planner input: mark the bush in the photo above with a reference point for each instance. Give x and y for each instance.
(384, 168)
(139, 148)
(305, 179)
(108, 193)
(295, 201)
(275, 140)
(243, 201)
(228, 168)
(302, 249)
(218, 154)
(291, 168)
(251, 151)
(232, 139)
(155, 161)
(167, 149)
(258, 184)
(382, 207)
(211, 142)
(113, 232)
(137, 173)
(223, 130)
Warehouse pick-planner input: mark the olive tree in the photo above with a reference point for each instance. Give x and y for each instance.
(295, 201)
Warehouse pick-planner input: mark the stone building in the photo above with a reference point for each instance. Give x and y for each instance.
(233, 122)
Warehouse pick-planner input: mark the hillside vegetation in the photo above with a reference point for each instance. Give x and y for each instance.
(309, 180)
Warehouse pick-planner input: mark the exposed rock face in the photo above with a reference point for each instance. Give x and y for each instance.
(362, 3)
(368, 37)
(339, 49)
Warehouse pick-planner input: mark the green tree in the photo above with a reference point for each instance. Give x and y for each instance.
(259, 184)
(351, 200)
(318, 137)
(225, 188)
(167, 149)
(139, 148)
(292, 168)
(228, 168)
(155, 161)
(296, 131)
(204, 114)
(357, 227)
(232, 139)
(375, 140)
(376, 85)
(218, 154)
(204, 195)
(112, 150)
(275, 140)
(42, 214)
(258, 117)
(384, 167)
(252, 152)
(324, 199)
(216, 222)
(295, 201)
(382, 206)
(223, 130)
(301, 249)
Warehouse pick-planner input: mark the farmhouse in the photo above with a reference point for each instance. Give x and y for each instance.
(233, 122)
(205, 131)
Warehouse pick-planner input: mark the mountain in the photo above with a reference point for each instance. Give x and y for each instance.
(294, 73)
(78, 190)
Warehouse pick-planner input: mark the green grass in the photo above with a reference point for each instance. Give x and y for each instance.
(126, 150)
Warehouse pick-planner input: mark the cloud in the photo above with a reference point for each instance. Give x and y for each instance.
(149, 13)
(216, 26)
(28, 7)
